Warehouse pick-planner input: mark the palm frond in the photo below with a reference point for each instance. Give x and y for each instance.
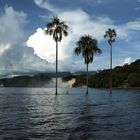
(77, 50)
(49, 25)
(110, 35)
(65, 33)
(57, 29)
(88, 47)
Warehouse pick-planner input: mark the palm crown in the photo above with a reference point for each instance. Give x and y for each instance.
(110, 35)
(88, 47)
(57, 28)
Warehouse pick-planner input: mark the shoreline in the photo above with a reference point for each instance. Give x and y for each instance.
(127, 88)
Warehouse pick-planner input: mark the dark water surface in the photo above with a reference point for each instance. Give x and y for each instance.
(36, 114)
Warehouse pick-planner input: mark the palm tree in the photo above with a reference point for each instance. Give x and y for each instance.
(110, 35)
(57, 29)
(87, 46)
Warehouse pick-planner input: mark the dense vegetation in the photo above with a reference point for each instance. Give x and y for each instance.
(122, 76)
(25, 81)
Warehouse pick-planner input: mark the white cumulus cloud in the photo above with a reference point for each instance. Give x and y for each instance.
(44, 46)
(14, 55)
(11, 23)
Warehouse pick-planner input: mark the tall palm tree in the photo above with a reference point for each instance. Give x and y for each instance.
(110, 35)
(57, 29)
(87, 46)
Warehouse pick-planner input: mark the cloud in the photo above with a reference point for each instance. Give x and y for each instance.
(12, 22)
(133, 25)
(46, 5)
(15, 57)
(127, 61)
(11, 35)
(82, 23)
(44, 46)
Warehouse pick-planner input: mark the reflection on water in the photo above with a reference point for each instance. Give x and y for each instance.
(37, 114)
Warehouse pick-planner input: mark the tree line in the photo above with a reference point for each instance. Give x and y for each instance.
(122, 77)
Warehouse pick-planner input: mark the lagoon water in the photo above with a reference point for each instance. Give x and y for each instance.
(37, 114)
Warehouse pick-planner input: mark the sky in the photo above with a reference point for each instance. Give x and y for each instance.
(24, 48)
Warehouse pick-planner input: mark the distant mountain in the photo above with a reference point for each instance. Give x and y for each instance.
(60, 74)
(24, 81)
(84, 72)
(30, 80)
(18, 73)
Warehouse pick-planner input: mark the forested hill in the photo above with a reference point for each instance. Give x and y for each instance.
(37, 80)
(123, 76)
(25, 81)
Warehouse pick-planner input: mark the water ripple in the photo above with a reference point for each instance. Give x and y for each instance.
(36, 114)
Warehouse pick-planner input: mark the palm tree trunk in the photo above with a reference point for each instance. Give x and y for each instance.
(56, 67)
(111, 68)
(87, 79)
